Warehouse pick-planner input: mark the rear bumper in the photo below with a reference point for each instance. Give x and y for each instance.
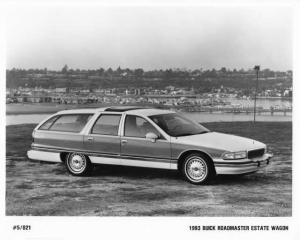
(241, 166)
(43, 156)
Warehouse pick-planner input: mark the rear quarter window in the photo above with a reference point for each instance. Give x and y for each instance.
(67, 123)
(48, 123)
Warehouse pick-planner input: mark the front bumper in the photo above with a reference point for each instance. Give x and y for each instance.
(241, 166)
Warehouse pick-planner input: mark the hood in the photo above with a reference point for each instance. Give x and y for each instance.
(221, 141)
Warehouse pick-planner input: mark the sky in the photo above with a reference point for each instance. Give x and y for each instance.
(149, 37)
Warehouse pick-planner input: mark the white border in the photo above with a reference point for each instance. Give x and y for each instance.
(144, 227)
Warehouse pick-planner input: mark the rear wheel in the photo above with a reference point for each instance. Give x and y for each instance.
(197, 169)
(78, 164)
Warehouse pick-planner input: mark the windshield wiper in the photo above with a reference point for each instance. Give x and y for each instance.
(189, 134)
(186, 134)
(204, 132)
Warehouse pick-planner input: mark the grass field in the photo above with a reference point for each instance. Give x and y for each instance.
(34, 188)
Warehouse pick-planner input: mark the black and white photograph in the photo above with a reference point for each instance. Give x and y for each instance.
(148, 110)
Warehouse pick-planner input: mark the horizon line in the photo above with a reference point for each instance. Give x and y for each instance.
(148, 70)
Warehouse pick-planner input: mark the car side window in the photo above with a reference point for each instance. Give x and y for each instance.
(48, 123)
(138, 127)
(107, 124)
(70, 123)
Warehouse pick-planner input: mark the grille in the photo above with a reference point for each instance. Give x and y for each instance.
(256, 153)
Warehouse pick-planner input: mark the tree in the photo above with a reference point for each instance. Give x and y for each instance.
(119, 70)
(168, 74)
(65, 69)
(138, 72)
(223, 70)
(109, 71)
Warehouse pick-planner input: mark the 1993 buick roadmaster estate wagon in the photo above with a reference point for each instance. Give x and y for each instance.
(143, 137)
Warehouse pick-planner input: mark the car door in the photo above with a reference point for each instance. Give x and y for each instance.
(137, 150)
(103, 140)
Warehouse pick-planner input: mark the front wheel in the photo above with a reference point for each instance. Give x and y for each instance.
(78, 164)
(197, 169)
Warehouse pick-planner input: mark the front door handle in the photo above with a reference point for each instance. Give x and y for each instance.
(123, 141)
(90, 139)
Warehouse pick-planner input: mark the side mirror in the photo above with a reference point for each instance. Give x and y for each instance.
(151, 136)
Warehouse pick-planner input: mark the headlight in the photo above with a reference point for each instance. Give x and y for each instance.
(228, 156)
(235, 155)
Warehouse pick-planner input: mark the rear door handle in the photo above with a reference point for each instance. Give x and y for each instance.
(123, 141)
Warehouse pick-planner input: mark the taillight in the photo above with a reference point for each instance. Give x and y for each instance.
(33, 136)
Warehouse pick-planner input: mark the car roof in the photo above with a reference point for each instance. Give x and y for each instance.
(128, 109)
(82, 110)
(122, 108)
(149, 111)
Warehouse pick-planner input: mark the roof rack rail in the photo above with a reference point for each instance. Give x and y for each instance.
(122, 108)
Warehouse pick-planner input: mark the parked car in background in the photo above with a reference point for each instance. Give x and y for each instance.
(143, 137)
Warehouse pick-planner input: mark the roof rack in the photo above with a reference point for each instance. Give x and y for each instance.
(122, 109)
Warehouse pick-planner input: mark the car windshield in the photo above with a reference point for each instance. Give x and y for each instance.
(177, 126)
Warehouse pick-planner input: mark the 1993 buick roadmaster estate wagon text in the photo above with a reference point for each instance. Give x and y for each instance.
(143, 137)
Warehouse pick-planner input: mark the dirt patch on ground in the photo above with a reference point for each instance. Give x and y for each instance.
(34, 188)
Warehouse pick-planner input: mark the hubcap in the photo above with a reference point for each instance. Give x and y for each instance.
(77, 162)
(196, 168)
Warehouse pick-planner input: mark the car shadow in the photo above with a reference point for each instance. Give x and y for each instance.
(134, 172)
(152, 173)
(236, 179)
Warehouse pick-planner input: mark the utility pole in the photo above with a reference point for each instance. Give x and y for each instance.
(256, 68)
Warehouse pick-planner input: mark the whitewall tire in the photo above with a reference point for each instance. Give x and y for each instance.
(78, 164)
(197, 168)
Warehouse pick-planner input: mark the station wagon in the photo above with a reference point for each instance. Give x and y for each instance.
(143, 137)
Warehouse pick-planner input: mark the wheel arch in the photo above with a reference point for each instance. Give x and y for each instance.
(63, 156)
(184, 154)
